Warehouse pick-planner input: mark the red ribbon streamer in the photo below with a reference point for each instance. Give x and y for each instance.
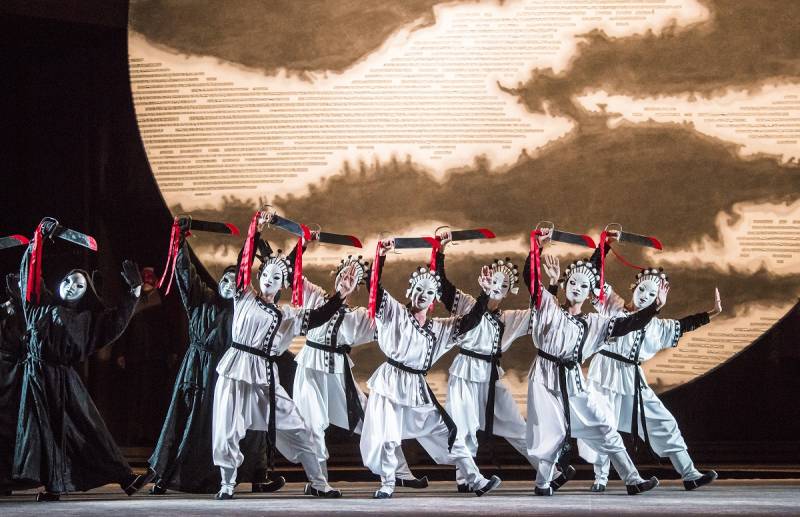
(172, 256)
(34, 284)
(436, 245)
(535, 272)
(248, 254)
(603, 239)
(297, 280)
(624, 261)
(374, 275)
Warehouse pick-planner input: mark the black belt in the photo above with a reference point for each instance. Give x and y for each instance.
(451, 426)
(563, 365)
(271, 426)
(494, 376)
(355, 412)
(638, 400)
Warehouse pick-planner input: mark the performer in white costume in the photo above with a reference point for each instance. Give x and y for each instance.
(477, 396)
(559, 405)
(401, 404)
(325, 391)
(616, 374)
(248, 394)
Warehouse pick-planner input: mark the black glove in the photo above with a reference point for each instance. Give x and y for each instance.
(185, 224)
(131, 274)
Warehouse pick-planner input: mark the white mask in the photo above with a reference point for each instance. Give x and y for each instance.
(423, 293)
(73, 287)
(577, 288)
(645, 293)
(500, 286)
(271, 280)
(227, 285)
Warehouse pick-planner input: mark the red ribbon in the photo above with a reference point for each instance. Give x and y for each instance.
(603, 239)
(624, 261)
(297, 280)
(172, 256)
(374, 275)
(34, 284)
(436, 245)
(535, 272)
(248, 254)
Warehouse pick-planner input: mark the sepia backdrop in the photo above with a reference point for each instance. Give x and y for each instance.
(674, 118)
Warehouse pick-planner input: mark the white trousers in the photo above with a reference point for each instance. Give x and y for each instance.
(320, 399)
(239, 406)
(466, 404)
(662, 428)
(386, 424)
(590, 420)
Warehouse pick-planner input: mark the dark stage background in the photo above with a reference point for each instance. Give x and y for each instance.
(71, 149)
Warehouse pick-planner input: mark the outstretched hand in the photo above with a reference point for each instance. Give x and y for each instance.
(485, 279)
(661, 299)
(552, 268)
(717, 304)
(348, 281)
(386, 246)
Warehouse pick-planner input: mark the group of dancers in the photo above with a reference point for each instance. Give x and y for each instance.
(229, 411)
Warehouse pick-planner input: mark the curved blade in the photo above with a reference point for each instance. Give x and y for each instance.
(292, 227)
(475, 233)
(573, 238)
(12, 241)
(214, 227)
(640, 240)
(414, 242)
(336, 238)
(75, 237)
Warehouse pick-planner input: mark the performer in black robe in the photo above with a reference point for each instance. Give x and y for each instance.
(182, 457)
(12, 357)
(62, 441)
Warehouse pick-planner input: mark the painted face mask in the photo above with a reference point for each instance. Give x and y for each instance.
(645, 293)
(500, 286)
(577, 287)
(423, 292)
(72, 287)
(227, 285)
(271, 280)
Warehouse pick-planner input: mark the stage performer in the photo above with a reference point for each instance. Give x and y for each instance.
(617, 376)
(182, 459)
(325, 390)
(62, 441)
(559, 405)
(12, 367)
(401, 404)
(247, 394)
(477, 396)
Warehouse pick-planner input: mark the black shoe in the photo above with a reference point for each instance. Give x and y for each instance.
(139, 481)
(562, 478)
(381, 495)
(271, 485)
(223, 496)
(412, 483)
(463, 489)
(330, 494)
(705, 479)
(493, 483)
(597, 488)
(543, 491)
(644, 486)
(47, 497)
(158, 490)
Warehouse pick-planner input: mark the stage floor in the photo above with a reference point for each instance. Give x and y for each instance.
(724, 497)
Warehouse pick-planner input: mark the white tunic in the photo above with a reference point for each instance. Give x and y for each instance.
(402, 339)
(616, 376)
(558, 333)
(348, 326)
(495, 333)
(264, 326)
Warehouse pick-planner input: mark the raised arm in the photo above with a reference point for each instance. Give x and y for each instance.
(636, 321)
(448, 289)
(193, 290)
(471, 320)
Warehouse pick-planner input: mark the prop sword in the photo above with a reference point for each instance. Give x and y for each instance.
(12, 241)
(213, 227)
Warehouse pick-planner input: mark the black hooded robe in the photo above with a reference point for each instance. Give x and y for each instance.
(62, 441)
